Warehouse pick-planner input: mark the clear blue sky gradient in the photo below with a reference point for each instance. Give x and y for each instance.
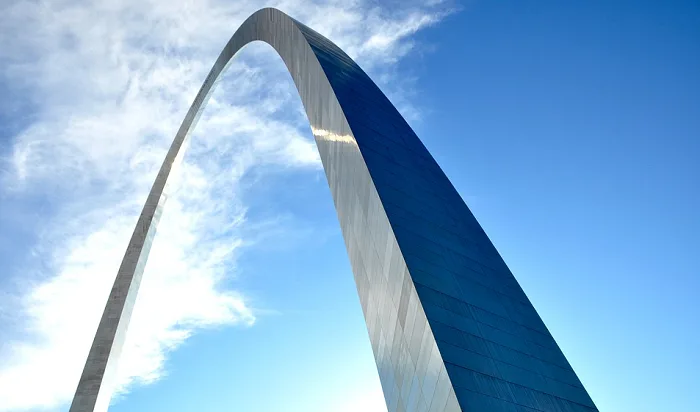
(572, 130)
(577, 131)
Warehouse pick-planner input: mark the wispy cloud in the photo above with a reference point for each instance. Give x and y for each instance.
(103, 86)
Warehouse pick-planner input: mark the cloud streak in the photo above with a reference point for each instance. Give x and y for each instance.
(103, 87)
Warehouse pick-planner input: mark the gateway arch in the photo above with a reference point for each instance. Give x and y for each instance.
(450, 327)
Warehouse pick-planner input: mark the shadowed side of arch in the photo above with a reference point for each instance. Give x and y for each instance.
(450, 328)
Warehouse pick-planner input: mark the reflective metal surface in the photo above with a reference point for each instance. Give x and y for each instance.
(450, 327)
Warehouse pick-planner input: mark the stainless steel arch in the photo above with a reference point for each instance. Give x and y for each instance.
(432, 286)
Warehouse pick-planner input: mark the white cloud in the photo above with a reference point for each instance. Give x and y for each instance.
(108, 83)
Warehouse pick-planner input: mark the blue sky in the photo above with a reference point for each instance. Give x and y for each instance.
(571, 130)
